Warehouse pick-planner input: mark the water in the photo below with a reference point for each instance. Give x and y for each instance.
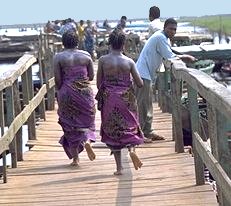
(4, 69)
(24, 141)
(18, 32)
(8, 67)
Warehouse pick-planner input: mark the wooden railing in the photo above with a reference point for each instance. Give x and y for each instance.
(218, 102)
(19, 100)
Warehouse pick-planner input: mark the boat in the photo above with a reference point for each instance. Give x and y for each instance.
(216, 52)
(191, 38)
(21, 38)
(14, 47)
(206, 65)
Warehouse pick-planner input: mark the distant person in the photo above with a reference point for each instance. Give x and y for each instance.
(76, 108)
(68, 25)
(49, 28)
(89, 42)
(106, 25)
(149, 61)
(81, 35)
(122, 23)
(116, 100)
(155, 23)
(57, 26)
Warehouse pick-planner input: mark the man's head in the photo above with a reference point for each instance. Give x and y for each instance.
(123, 18)
(154, 13)
(81, 22)
(170, 26)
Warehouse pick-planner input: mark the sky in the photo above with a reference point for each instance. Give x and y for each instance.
(40, 11)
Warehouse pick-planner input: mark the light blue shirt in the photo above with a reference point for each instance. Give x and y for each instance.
(151, 57)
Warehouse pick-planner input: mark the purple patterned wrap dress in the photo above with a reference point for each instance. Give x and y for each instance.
(76, 109)
(119, 113)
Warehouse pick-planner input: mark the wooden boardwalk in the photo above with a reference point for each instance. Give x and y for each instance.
(45, 177)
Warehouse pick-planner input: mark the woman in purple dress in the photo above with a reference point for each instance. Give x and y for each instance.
(76, 107)
(116, 100)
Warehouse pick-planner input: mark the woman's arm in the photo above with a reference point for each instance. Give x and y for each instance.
(57, 72)
(138, 81)
(99, 75)
(90, 70)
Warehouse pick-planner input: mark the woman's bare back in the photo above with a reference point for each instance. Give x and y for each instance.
(73, 57)
(114, 64)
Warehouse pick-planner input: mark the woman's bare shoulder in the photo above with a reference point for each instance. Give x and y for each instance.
(128, 59)
(84, 52)
(104, 57)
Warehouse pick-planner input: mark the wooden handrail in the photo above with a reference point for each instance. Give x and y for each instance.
(12, 116)
(218, 99)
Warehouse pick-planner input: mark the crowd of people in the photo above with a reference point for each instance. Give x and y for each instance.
(86, 31)
(124, 95)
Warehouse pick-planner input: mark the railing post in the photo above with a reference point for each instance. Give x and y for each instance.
(223, 149)
(18, 109)
(2, 124)
(176, 114)
(168, 106)
(41, 107)
(50, 92)
(194, 117)
(48, 72)
(212, 133)
(10, 114)
(163, 90)
(31, 119)
(160, 80)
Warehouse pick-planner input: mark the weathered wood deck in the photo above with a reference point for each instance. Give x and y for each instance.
(45, 177)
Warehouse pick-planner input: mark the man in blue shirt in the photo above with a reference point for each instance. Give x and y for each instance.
(150, 59)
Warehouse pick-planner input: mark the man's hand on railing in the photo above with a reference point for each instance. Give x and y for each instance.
(187, 58)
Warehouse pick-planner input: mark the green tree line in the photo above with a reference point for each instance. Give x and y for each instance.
(216, 23)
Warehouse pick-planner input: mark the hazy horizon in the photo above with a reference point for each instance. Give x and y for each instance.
(25, 12)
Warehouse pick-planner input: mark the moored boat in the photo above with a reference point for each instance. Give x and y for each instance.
(14, 47)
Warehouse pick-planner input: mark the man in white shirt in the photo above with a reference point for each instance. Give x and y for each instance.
(155, 23)
(150, 59)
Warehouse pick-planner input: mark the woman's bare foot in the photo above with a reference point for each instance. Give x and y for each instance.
(118, 172)
(75, 162)
(90, 151)
(135, 160)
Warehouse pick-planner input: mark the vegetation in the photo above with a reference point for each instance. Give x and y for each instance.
(216, 23)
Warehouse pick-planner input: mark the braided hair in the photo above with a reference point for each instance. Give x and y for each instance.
(117, 39)
(70, 39)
